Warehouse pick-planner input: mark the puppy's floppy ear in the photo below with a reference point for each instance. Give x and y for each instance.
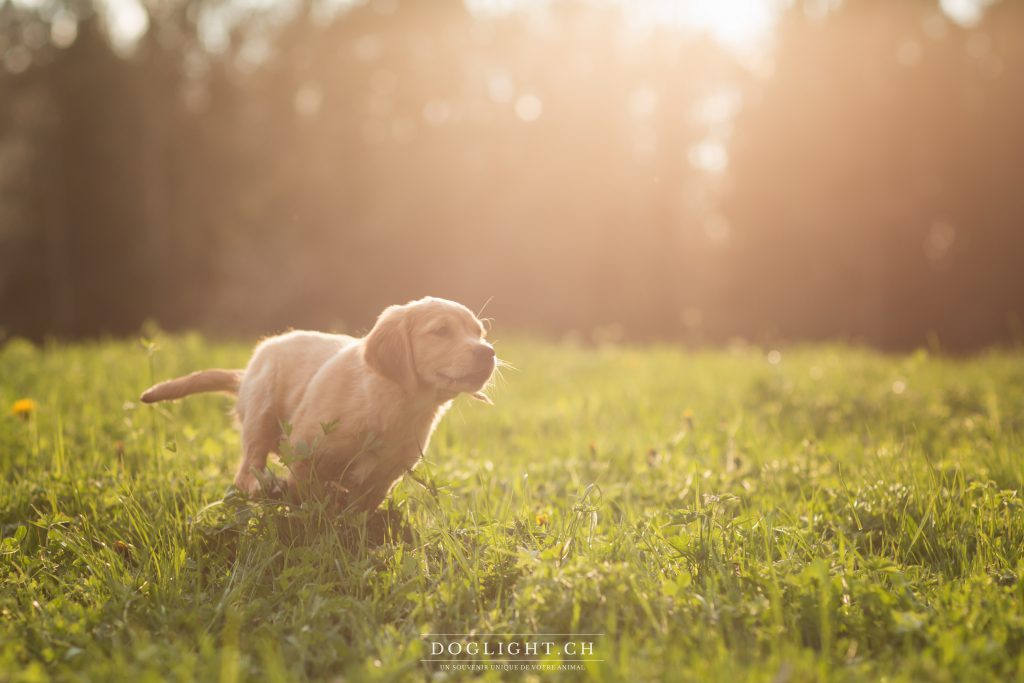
(389, 349)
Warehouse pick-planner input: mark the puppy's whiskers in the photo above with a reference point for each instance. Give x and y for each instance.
(480, 312)
(500, 363)
(498, 377)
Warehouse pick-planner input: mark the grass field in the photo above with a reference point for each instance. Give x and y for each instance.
(826, 513)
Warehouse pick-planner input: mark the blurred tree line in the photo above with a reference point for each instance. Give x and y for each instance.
(307, 164)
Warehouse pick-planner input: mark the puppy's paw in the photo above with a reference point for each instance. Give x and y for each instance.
(248, 483)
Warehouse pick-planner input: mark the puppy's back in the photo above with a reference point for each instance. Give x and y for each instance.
(281, 368)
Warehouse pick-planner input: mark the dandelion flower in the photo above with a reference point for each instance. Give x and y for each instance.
(688, 418)
(24, 407)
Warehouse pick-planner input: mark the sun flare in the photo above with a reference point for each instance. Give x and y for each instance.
(740, 24)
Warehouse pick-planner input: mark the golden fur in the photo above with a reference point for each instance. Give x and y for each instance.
(386, 391)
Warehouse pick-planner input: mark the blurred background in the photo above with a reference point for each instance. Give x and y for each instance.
(635, 169)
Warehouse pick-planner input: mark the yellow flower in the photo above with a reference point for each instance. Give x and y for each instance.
(688, 418)
(24, 407)
(541, 519)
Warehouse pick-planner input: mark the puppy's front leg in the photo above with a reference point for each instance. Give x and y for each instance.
(316, 461)
(377, 487)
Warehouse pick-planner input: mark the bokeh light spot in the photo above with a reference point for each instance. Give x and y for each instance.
(529, 108)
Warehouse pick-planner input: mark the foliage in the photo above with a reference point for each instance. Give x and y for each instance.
(870, 187)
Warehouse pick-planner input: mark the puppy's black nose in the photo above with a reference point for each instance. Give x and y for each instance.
(484, 352)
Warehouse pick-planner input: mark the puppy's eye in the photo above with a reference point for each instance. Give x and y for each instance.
(442, 331)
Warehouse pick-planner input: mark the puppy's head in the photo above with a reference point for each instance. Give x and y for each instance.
(431, 344)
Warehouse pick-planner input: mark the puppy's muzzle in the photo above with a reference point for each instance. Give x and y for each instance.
(484, 359)
(484, 355)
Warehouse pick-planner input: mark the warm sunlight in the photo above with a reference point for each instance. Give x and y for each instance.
(739, 24)
(531, 341)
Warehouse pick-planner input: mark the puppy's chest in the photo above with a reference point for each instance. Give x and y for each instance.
(394, 451)
(357, 457)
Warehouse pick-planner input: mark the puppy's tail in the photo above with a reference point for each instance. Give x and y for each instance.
(196, 383)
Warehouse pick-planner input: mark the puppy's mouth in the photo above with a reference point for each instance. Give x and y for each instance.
(477, 378)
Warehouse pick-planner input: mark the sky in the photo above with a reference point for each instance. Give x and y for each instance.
(744, 26)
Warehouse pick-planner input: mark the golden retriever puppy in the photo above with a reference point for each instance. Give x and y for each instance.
(361, 411)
